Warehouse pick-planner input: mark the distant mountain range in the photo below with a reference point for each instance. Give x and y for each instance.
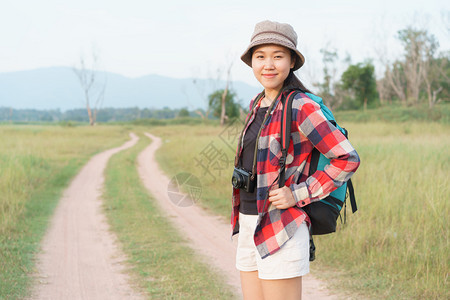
(59, 88)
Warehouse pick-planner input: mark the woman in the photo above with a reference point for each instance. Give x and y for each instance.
(273, 244)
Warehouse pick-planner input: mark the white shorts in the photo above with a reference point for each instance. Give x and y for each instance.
(292, 260)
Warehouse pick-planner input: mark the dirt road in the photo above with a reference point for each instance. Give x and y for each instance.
(209, 235)
(80, 259)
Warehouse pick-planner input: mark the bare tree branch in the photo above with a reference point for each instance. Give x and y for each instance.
(223, 115)
(88, 78)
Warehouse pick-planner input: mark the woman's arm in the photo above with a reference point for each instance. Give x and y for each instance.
(330, 141)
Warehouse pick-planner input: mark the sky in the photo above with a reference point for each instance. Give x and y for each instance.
(200, 38)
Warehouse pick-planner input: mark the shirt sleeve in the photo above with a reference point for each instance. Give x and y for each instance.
(330, 141)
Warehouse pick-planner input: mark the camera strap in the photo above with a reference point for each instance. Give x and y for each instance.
(269, 110)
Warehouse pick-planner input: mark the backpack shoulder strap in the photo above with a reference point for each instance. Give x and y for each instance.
(286, 119)
(351, 193)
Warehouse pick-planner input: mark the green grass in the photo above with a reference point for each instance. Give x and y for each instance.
(36, 164)
(396, 245)
(159, 258)
(207, 153)
(440, 113)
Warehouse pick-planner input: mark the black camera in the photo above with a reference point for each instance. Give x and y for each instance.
(242, 180)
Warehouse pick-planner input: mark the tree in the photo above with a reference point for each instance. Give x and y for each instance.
(395, 77)
(327, 87)
(183, 113)
(410, 75)
(224, 95)
(437, 78)
(93, 88)
(231, 107)
(214, 83)
(360, 81)
(419, 49)
(385, 92)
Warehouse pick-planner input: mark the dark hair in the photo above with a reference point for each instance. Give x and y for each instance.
(293, 83)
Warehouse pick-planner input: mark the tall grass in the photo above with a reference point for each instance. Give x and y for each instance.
(36, 164)
(207, 153)
(396, 245)
(398, 241)
(440, 113)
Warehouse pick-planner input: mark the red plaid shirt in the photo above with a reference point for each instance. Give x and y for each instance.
(309, 129)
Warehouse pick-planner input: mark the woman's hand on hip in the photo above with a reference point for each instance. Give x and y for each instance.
(282, 198)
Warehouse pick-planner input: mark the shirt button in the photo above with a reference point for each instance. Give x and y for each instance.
(260, 172)
(303, 202)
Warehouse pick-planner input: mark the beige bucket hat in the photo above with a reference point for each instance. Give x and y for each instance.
(268, 32)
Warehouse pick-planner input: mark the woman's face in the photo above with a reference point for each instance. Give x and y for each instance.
(271, 65)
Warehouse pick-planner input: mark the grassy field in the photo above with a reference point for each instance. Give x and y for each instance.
(161, 262)
(396, 245)
(205, 151)
(36, 164)
(395, 114)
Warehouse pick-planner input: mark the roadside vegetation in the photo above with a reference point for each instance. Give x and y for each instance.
(36, 165)
(160, 260)
(396, 245)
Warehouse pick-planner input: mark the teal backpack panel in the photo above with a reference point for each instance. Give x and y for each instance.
(325, 110)
(340, 192)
